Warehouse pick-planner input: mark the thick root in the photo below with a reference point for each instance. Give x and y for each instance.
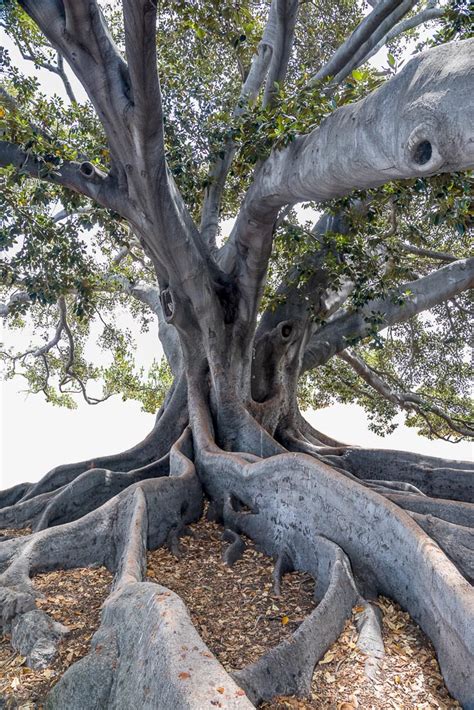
(389, 552)
(90, 490)
(169, 425)
(439, 478)
(147, 654)
(111, 535)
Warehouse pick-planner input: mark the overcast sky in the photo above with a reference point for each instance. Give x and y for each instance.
(35, 436)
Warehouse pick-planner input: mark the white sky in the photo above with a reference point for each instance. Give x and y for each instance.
(35, 437)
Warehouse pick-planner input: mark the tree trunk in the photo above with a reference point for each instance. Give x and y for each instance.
(361, 522)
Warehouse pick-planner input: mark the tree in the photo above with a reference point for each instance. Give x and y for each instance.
(217, 111)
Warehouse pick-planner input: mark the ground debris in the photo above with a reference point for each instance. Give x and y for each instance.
(409, 677)
(233, 608)
(74, 598)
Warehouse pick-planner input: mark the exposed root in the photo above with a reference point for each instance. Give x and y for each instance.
(370, 641)
(451, 480)
(283, 564)
(456, 541)
(169, 425)
(146, 650)
(73, 598)
(236, 548)
(90, 490)
(452, 511)
(288, 668)
(146, 654)
(112, 535)
(35, 635)
(343, 523)
(296, 495)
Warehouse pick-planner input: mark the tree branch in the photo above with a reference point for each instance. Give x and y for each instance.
(287, 12)
(429, 253)
(374, 26)
(147, 115)
(249, 92)
(418, 123)
(77, 30)
(429, 13)
(410, 299)
(409, 401)
(83, 178)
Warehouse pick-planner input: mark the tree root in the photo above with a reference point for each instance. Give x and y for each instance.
(309, 515)
(370, 641)
(146, 654)
(288, 668)
(90, 490)
(456, 541)
(390, 554)
(170, 423)
(439, 478)
(111, 535)
(450, 510)
(236, 548)
(146, 651)
(283, 565)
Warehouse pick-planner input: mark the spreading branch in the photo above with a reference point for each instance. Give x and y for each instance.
(273, 51)
(402, 304)
(409, 401)
(416, 124)
(83, 178)
(371, 30)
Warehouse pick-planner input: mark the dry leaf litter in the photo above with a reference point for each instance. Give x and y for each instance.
(239, 618)
(74, 598)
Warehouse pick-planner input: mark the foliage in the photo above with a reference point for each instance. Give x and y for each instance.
(90, 258)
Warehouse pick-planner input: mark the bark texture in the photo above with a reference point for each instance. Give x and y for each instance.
(361, 522)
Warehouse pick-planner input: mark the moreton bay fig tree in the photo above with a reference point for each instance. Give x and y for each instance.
(167, 120)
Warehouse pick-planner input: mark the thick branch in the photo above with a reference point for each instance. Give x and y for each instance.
(140, 43)
(385, 15)
(410, 299)
(249, 92)
(287, 11)
(83, 177)
(77, 30)
(418, 123)
(429, 13)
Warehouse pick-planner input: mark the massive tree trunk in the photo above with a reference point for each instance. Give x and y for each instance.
(362, 522)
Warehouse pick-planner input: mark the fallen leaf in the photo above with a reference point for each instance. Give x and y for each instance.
(328, 657)
(284, 620)
(184, 675)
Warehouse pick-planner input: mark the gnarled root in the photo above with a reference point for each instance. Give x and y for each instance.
(293, 494)
(170, 423)
(104, 536)
(146, 651)
(147, 654)
(337, 513)
(236, 548)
